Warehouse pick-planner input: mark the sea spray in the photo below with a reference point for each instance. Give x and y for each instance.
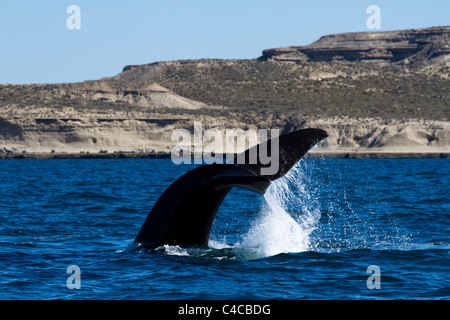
(288, 217)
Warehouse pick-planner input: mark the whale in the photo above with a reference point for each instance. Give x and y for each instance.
(184, 213)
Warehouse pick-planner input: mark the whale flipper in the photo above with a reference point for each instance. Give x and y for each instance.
(185, 212)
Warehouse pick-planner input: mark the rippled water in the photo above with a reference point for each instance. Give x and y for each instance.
(312, 236)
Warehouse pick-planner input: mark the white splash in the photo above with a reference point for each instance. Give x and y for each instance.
(173, 250)
(289, 215)
(287, 220)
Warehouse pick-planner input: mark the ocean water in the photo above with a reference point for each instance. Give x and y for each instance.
(331, 229)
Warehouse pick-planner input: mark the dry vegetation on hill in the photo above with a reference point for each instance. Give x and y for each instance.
(384, 91)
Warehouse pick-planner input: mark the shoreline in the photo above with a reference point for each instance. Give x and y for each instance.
(167, 155)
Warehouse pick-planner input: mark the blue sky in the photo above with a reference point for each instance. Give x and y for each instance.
(37, 47)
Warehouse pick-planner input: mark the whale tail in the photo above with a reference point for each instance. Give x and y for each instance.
(292, 147)
(184, 213)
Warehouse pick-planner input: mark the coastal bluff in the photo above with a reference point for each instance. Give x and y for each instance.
(377, 94)
(414, 48)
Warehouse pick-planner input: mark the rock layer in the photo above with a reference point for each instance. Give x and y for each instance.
(363, 106)
(71, 131)
(415, 47)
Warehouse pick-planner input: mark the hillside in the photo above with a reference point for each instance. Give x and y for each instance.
(337, 75)
(375, 92)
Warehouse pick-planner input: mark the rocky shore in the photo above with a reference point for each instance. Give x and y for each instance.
(81, 136)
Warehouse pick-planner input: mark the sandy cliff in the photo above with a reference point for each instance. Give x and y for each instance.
(373, 92)
(70, 131)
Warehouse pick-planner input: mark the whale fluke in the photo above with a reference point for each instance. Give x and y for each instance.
(185, 212)
(292, 147)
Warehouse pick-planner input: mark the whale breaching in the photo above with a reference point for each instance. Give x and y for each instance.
(185, 212)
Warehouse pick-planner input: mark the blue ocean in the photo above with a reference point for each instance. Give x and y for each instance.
(331, 229)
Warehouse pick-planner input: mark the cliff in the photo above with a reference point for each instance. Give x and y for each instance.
(416, 48)
(374, 92)
(77, 133)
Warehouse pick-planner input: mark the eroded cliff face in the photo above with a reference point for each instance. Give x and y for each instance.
(396, 102)
(71, 131)
(415, 48)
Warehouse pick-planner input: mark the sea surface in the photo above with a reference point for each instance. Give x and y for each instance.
(331, 229)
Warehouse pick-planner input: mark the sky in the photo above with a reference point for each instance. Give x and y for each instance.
(37, 46)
